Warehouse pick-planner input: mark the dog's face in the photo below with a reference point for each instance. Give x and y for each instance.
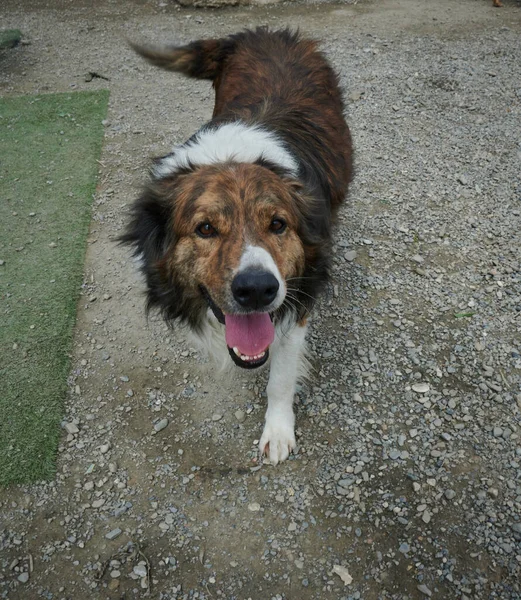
(234, 240)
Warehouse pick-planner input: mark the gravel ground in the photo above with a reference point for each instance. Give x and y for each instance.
(407, 482)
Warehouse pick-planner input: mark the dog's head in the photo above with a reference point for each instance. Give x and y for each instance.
(238, 238)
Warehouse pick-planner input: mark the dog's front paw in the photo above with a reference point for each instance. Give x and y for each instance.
(278, 438)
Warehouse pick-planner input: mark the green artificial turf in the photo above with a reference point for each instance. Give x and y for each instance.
(49, 147)
(9, 38)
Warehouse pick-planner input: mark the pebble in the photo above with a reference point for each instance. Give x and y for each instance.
(71, 428)
(160, 425)
(140, 570)
(420, 388)
(240, 415)
(424, 590)
(216, 417)
(350, 255)
(404, 548)
(449, 494)
(113, 585)
(113, 534)
(23, 577)
(254, 507)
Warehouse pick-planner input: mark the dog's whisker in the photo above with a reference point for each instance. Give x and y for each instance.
(302, 292)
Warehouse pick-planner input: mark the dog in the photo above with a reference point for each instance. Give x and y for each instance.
(233, 229)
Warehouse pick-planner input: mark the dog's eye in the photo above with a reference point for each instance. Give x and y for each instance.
(205, 230)
(277, 225)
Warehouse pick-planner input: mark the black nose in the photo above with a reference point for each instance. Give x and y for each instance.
(255, 289)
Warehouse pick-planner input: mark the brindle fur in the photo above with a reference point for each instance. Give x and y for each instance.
(271, 79)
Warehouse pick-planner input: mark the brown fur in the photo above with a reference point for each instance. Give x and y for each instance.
(280, 83)
(240, 202)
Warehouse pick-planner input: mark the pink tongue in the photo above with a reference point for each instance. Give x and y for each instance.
(251, 334)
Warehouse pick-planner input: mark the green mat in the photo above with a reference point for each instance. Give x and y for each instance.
(49, 146)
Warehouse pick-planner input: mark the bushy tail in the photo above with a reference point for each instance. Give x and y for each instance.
(202, 59)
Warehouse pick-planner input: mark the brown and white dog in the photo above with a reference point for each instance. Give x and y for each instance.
(233, 230)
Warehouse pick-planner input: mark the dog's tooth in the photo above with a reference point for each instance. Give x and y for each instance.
(236, 350)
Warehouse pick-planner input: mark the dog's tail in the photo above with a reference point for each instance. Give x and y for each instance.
(202, 59)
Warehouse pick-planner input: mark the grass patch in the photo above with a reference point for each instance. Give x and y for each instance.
(49, 146)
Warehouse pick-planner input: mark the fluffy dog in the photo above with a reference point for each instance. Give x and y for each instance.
(233, 230)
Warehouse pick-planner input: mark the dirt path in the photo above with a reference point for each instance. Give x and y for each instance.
(416, 493)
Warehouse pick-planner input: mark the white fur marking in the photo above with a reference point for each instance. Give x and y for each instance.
(232, 141)
(255, 256)
(287, 363)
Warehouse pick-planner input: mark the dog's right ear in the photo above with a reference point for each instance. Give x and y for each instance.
(150, 231)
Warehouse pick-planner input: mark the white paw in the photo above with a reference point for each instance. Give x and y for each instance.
(278, 438)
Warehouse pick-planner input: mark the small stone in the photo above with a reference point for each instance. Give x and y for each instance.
(140, 570)
(350, 255)
(115, 574)
(104, 448)
(292, 527)
(98, 503)
(23, 577)
(343, 573)
(426, 516)
(404, 548)
(216, 417)
(160, 425)
(416, 486)
(449, 494)
(516, 527)
(113, 585)
(254, 507)
(420, 388)
(417, 258)
(112, 535)
(240, 415)
(394, 454)
(493, 492)
(498, 432)
(462, 179)
(71, 428)
(424, 590)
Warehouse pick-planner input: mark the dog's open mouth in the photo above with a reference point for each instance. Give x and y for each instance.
(248, 336)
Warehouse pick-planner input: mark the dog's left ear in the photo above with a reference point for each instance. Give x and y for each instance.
(149, 231)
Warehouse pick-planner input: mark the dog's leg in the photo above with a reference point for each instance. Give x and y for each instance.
(287, 361)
